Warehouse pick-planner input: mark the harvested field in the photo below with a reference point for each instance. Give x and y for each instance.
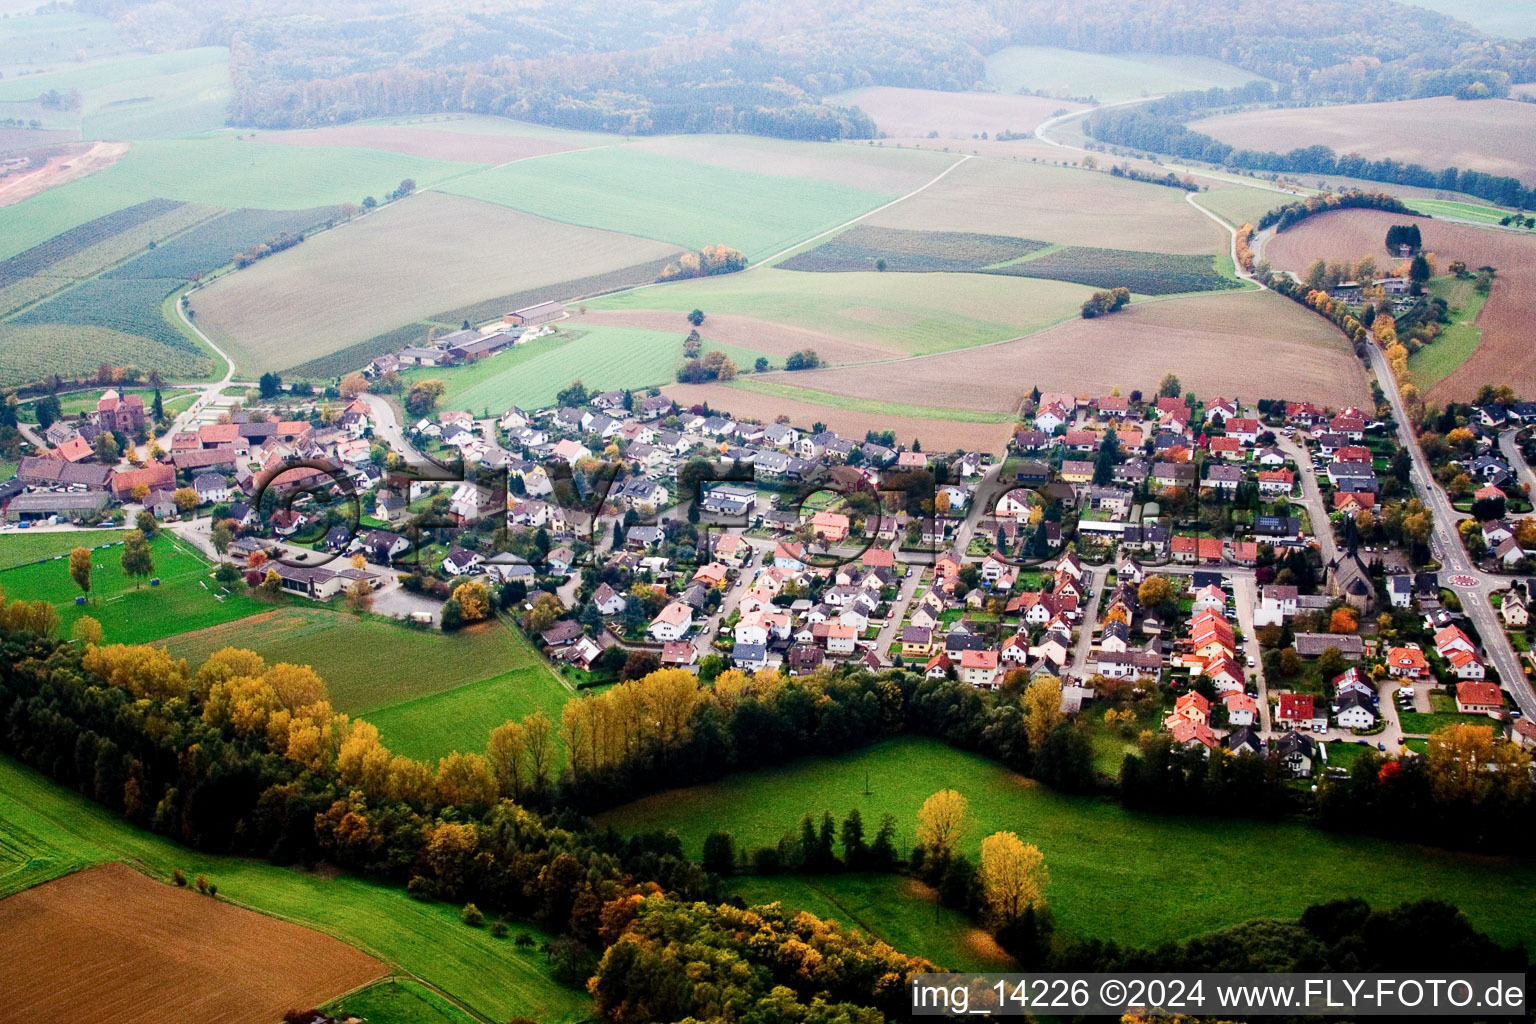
(908, 313)
(1494, 136)
(1202, 339)
(1505, 355)
(397, 266)
(936, 435)
(742, 331)
(1058, 204)
(29, 138)
(884, 169)
(474, 149)
(87, 158)
(111, 944)
(954, 115)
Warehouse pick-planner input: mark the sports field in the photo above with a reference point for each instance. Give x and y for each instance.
(186, 597)
(61, 831)
(671, 200)
(21, 547)
(1111, 870)
(396, 266)
(111, 915)
(1106, 77)
(602, 357)
(903, 313)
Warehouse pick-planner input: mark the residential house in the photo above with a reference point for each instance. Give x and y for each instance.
(672, 623)
(1479, 698)
(1406, 662)
(1354, 710)
(1298, 753)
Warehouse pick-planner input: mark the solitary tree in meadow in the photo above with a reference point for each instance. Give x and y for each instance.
(80, 569)
(138, 562)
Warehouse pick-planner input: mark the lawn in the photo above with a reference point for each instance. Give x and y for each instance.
(186, 597)
(1112, 870)
(21, 547)
(1458, 340)
(671, 200)
(59, 831)
(602, 357)
(1104, 76)
(904, 313)
(899, 910)
(1423, 723)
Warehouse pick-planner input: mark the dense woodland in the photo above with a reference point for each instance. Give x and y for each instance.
(766, 67)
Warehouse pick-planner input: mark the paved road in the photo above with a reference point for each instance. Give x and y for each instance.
(898, 611)
(1453, 557)
(1516, 460)
(1082, 649)
(1245, 591)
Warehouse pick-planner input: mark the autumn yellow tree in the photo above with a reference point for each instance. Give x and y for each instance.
(1013, 877)
(86, 631)
(465, 781)
(1468, 764)
(185, 498)
(1343, 621)
(352, 385)
(942, 822)
(474, 599)
(142, 670)
(1042, 709)
(1154, 591)
(507, 753)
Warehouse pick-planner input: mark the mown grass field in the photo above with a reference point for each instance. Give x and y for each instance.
(185, 599)
(1475, 212)
(903, 313)
(901, 911)
(602, 357)
(1106, 77)
(366, 661)
(671, 200)
(1458, 339)
(1112, 870)
(1238, 205)
(21, 547)
(57, 831)
(401, 264)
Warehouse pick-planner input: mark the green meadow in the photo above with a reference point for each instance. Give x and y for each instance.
(1105, 76)
(1458, 339)
(671, 200)
(1135, 877)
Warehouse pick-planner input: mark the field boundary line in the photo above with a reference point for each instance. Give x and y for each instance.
(868, 213)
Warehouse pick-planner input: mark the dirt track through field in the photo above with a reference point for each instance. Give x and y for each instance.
(1505, 355)
(60, 169)
(109, 944)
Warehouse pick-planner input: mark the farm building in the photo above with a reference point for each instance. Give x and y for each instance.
(540, 313)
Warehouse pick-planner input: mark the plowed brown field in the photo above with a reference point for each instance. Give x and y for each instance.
(1249, 345)
(1506, 354)
(110, 944)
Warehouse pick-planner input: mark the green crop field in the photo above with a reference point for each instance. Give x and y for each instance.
(58, 831)
(186, 597)
(366, 661)
(1145, 273)
(906, 313)
(42, 217)
(1105, 77)
(1111, 869)
(903, 250)
(32, 41)
(1458, 339)
(399, 1001)
(893, 409)
(213, 244)
(22, 547)
(601, 357)
(1475, 212)
(1239, 206)
(671, 200)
